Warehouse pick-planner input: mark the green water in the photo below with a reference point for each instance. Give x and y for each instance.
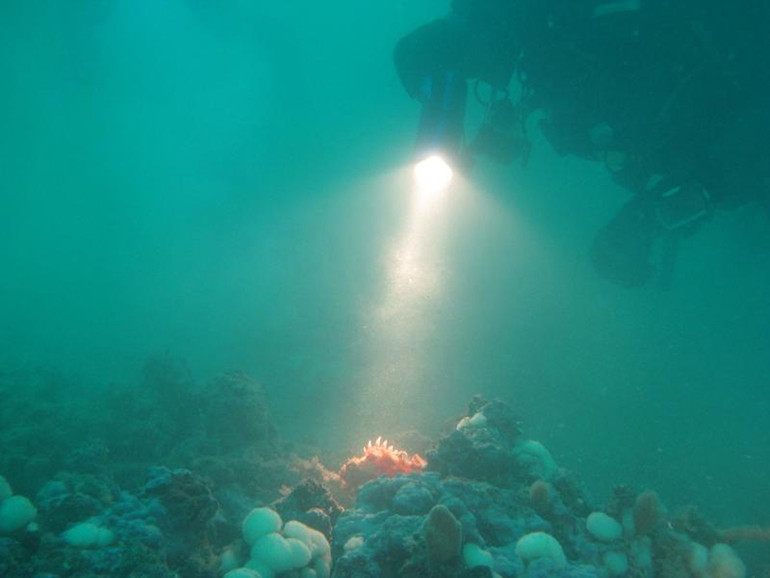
(228, 184)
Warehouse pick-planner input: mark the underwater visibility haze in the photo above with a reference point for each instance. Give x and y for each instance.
(237, 339)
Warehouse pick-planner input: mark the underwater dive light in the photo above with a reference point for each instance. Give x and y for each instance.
(440, 133)
(432, 175)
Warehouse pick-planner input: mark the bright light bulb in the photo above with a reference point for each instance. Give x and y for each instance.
(432, 175)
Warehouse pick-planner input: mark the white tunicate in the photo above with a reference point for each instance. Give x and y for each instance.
(274, 551)
(540, 545)
(603, 527)
(15, 513)
(474, 555)
(616, 563)
(260, 522)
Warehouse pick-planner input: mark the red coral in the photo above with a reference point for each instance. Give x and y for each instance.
(377, 460)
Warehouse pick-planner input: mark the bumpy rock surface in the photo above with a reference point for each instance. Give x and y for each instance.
(482, 446)
(478, 495)
(392, 515)
(312, 504)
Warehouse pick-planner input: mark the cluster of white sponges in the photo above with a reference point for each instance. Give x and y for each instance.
(606, 529)
(16, 512)
(719, 561)
(529, 548)
(277, 548)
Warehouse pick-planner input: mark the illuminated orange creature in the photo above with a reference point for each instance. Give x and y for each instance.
(377, 460)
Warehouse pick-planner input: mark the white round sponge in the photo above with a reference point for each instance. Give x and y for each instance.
(540, 545)
(725, 563)
(298, 530)
(322, 567)
(535, 456)
(260, 522)
(15, 513)
(474, 555)
(320, 547)
(274, 552)
(603, 528)
(87, 535)
(300, 553)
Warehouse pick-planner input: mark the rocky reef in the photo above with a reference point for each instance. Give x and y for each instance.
(174, 480)
(494, 504)
(147, 479)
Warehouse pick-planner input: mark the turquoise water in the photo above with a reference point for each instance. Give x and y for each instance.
(229, 184)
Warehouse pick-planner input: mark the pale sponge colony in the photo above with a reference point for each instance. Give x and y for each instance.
(16, 512)
(725, 563)
(277, 548)
(603, 528)
(537, 545)
(87, 535)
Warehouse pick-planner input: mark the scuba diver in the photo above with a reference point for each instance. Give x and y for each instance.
(667, 95)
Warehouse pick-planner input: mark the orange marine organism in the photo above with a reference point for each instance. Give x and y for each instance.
(379, 459)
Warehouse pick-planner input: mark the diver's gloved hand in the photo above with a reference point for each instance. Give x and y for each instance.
(622, 251)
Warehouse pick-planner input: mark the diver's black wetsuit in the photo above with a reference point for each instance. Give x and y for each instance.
(675, 89)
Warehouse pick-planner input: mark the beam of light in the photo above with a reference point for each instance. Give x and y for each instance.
(432, 176)
(401, 374)
(403, 319)
(414, 261)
